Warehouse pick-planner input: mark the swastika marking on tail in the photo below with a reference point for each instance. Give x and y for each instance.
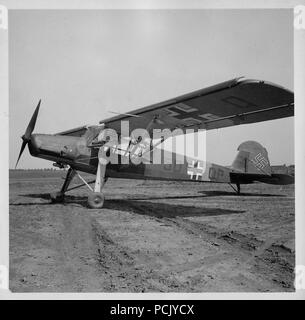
(260, 161)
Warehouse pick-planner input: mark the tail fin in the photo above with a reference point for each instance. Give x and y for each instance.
(252, 158)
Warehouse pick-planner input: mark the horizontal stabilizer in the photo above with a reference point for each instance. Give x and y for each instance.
(275, 178)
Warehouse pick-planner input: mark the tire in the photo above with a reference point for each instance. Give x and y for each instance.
(57, 197)
(96, 200)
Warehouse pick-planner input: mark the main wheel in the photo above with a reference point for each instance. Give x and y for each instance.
(57, 197)
(96, 200)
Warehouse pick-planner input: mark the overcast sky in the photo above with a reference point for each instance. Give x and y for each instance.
(84, 63)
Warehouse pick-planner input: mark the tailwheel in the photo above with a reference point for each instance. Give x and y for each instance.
(96, 200)
(57, 197)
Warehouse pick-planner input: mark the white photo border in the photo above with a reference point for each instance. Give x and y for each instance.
(299, 85)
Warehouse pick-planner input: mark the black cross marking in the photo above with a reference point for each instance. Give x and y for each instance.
(184, 114)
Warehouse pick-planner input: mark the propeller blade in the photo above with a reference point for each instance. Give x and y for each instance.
(27, 136)
(32, 123)
(24, 143)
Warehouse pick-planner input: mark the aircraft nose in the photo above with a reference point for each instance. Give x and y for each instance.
(35, 141)
(35, 144)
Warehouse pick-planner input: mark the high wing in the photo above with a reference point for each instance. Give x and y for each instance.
(230, 103)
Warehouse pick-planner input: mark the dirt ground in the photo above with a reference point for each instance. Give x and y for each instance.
(151, 236)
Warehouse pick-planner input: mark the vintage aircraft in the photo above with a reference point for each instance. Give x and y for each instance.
(235, 102)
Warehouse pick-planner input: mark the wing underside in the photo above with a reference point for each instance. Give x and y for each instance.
(234, 102)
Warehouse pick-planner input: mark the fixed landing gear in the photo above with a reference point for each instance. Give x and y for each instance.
(58, 197)
(96, 197)
(96, 200)
(237, 190)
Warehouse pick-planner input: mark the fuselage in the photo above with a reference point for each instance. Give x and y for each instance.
(80, 154)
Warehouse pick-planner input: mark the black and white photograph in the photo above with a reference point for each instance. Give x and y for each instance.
(152, 150)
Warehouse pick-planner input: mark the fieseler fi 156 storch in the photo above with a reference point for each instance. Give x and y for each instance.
(236, 102)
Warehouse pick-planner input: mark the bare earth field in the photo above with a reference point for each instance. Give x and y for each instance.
(151, 236)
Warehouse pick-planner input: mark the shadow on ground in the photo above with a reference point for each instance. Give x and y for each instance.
(140, 205)
(165, 210)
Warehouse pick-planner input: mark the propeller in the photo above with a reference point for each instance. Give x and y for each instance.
(28, 132)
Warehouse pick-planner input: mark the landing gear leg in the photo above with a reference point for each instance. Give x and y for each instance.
(238, 188)
(96, 199)
(60, 196)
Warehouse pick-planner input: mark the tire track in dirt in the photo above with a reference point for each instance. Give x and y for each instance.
(268, 259)
(129, 271)
(158, 240)
(265, 259)
(197, 279)
(57, 254)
